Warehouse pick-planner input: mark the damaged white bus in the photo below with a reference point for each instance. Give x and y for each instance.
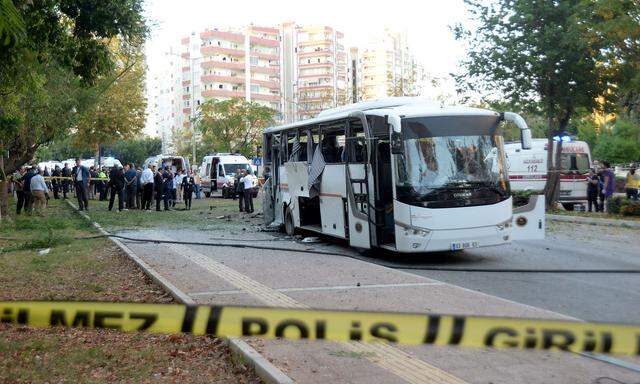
(398, 174)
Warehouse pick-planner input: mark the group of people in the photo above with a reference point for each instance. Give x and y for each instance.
(137, 188)
(601, 186)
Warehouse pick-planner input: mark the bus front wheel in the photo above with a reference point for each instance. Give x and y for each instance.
(289, 228)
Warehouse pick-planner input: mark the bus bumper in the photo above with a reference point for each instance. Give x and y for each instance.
(408, 240)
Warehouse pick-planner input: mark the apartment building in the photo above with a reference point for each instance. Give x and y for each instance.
(387, 68)
(231, 63)
(315, 72)
(164, 107)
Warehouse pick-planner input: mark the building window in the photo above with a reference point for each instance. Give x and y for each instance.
(219, 86)
(254, 60)
(219, 44)
(255, 88)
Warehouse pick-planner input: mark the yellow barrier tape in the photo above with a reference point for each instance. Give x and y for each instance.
(71, 178)
(270, 323)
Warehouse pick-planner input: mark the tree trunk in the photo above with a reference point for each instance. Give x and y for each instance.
(4, 198)
(97, 156)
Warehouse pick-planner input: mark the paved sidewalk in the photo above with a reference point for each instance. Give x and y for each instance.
(595, 221)
(223, 275)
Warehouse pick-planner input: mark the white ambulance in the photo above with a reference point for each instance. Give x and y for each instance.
(528, 169)
(218, 171)
(175, 163)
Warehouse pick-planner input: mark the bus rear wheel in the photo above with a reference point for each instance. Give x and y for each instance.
(289, 228)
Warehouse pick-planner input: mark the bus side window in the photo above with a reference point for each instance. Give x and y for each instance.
(302, 139)
(355, 147)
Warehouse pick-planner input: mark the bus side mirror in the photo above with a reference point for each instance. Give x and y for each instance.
(397, 145)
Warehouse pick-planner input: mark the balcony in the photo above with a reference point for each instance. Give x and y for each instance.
(225, 51)
(264, 55)
(264, 42)
(319, 53)
(315, 87)
(223, 79)
(312, 75)
(224, 36)
(222, 64)
(186, 110)
(186, 97)
(273, 31)
(186, 82)
(314, 42)
(222, 93)
(262, 96)
(266, 83)
(185, 69)
(315, 65)
(269, 70)
(185, 55)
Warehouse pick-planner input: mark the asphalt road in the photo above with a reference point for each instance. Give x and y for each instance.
(609, 297)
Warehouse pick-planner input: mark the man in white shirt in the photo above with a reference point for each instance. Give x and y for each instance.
(247, 181)
(39, 192)
(146, 180)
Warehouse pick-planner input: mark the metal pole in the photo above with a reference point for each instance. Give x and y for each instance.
(193, 105)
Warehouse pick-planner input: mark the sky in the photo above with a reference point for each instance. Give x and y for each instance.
(427, 23)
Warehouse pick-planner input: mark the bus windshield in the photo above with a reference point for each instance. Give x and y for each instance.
(463, 168)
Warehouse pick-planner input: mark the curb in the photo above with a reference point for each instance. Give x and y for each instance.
(594, 221)
(240, 350)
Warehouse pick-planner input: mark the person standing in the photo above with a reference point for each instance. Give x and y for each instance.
(179, 177)
(138, 189)
(40, 192)
(168, 188)
(239, 190)
(116, 185)
(174, 189)
(102, 185)
(593, 183)
(247, 181)
(81, 179)
(188, 183)
(56, 182)
(196, 184)
(92, 183)
(26, 188)
(130, 186)
(146, 183)
(66, 173)
(158, 186)
(632, 184)
(18, 183)
(608, 181)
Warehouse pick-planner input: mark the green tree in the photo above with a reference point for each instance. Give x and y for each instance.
(134, 150)
(620, 143)
(45, 72)
(546, 56)
(233, 125)
(117, 103)
(11, 24)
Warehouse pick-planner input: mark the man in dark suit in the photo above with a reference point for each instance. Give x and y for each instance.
(158, 186)
(66, 172)
(81, 179)
(55, 182)
(116, 184)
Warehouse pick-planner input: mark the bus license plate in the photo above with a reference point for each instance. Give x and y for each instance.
(464, 245)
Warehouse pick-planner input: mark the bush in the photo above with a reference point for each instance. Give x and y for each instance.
(630, 208)
(614, 204)
(521, 198)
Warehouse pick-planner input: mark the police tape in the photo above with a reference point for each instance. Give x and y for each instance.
(331, 325)
(71, 178)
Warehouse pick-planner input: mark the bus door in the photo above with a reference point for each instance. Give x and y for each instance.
(358, 182)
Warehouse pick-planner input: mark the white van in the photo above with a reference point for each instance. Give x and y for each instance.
(217, 172)
(528, 169)
(175, 163)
